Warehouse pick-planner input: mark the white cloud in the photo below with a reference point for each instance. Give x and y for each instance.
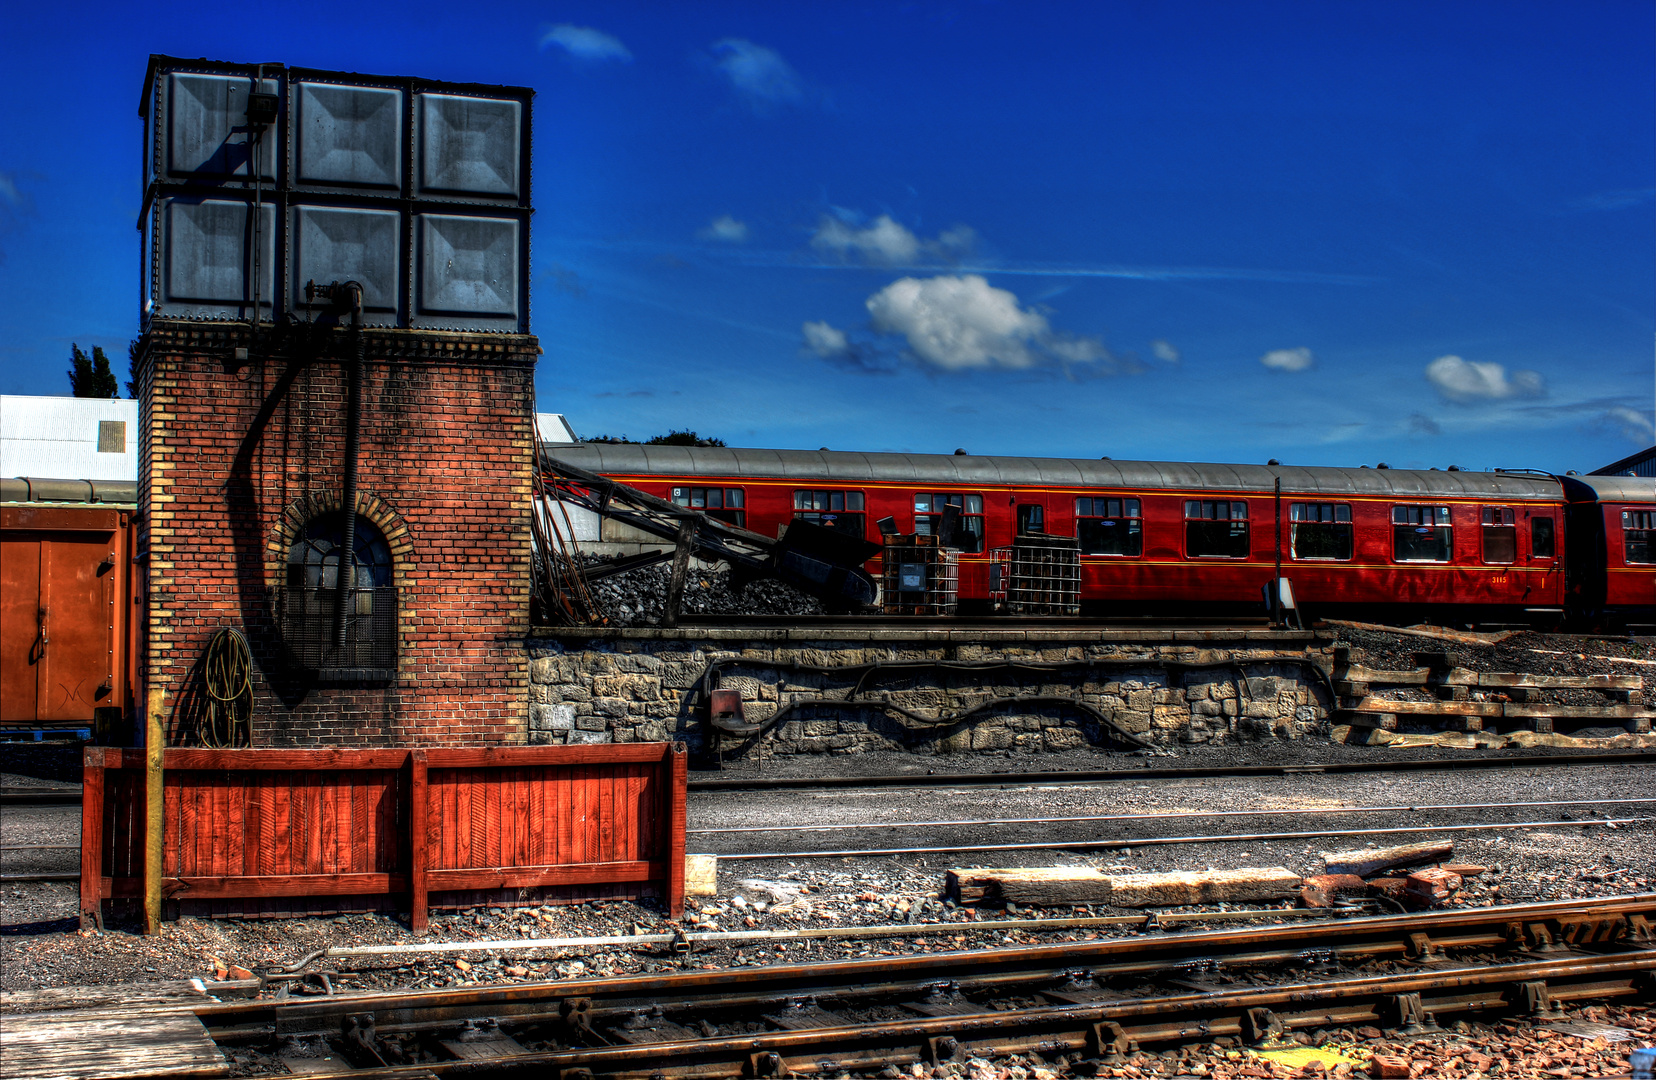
(960, 323)
(585, 43)
(726, 229)
(758, 73)
(1165, 351)
(1471, 380)
(1288, 359)
(825, 340)
(1632, 424)
(887, 243)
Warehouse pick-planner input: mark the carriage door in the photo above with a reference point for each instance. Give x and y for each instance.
(1545, 578)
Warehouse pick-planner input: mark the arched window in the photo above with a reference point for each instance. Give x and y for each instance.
(312, 601)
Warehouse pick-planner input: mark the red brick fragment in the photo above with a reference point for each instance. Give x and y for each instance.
(1432, 885)
(1389, 1067)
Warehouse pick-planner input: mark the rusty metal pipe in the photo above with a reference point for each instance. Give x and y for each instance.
(1165, 816)
(1157, 841)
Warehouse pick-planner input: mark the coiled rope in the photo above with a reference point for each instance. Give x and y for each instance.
(227, 671)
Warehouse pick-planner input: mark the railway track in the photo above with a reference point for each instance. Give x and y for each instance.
(1089, 999)
(31, 797)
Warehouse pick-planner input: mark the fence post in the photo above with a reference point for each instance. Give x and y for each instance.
(91, 850)
(154, 808)
(678, 772)
(418, 802)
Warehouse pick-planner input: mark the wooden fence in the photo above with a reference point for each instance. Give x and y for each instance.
(601, 820)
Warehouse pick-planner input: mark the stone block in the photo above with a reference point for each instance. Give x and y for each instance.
(681, 675)
(1206, 708)
(1167, 696)
(551, 717)
(540, 694)
(541, 668)
(631, 686)
(1169, 717)
(1063, 738)
(1260, 710)
(635, 663)
(749, 687)
(592, 723)
(991, 738)
(791, 731)
(546, 738)
(1307, 714)
(1198, 691)
(572, 692)
(610, 706)
(651, 731)
(1141, 700)
(1132, 720)
(577, 738)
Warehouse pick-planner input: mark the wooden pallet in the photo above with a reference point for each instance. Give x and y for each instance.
(1458, 691)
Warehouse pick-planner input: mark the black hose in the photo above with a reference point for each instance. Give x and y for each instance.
(227, 671)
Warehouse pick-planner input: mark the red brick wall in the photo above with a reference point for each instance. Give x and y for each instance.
(237, 454)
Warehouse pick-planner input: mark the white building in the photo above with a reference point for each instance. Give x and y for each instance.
(68, 438)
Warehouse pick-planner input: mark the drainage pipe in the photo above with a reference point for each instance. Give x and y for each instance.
(345, 575)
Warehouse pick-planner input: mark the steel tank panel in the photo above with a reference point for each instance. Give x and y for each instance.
(348, 135)
(470, 145)
(206, 134)
(468, 271)
(204, 247)
(347, 243)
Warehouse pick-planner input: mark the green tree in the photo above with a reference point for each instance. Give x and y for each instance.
(90, 376)
(132, 367)
(672, 438)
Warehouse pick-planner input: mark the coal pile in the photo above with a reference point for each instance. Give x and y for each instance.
(636, 598)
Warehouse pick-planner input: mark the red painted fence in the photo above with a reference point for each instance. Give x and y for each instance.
(597, 821)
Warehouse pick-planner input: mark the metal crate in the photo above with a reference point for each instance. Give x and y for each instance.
(918, 576)
(1037, 575)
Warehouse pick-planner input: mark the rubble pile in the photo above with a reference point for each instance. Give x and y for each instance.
(635, 598)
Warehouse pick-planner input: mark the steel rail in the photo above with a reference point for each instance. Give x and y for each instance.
(1163, 816)
(1541, 924)
(1194, 772)
(1098, 1029)
(1159, 841)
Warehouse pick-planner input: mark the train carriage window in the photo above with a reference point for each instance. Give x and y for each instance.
(928, 518)
(1106, 526)
(725, 504)
(1320, 531)
(1637, 527)
(1541, 538)
(1216, 529)
(841, 511)
(1422, 534)
(1500, 535)
(1031, 519)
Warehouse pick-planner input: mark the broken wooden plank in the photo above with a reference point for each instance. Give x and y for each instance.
(1042, 885)
(1202, 887)
(1560, 682)
(1581, 712)
(1366, 862)
(107, 1045)
(173, 993)
(1425, 708)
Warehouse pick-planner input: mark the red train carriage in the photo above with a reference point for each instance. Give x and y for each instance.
(1611, 567)
(1166, 537)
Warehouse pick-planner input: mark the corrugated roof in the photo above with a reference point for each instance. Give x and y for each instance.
(949, 470)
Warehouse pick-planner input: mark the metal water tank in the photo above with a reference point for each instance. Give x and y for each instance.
(417, 189)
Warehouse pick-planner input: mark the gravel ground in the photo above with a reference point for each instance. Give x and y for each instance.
(40, 947)
(635, 598)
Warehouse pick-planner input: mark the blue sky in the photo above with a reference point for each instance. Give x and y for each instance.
(1419, 233)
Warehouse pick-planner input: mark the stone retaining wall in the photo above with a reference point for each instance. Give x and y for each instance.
(1181, 686)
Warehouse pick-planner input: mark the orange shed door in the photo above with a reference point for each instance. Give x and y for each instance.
(56, 609)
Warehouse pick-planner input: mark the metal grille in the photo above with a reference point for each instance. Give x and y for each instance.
(1037, 575)
(370, 649)
(918, 576)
